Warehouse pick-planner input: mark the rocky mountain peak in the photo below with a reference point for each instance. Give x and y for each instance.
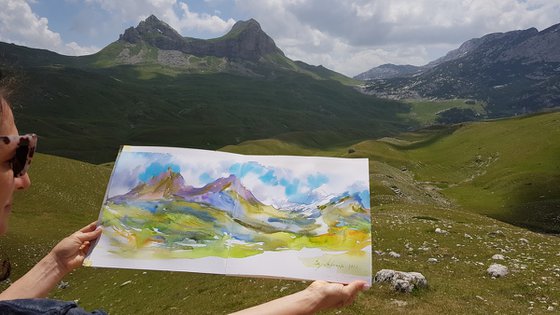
(246, 40)
(538, 46)
(155, 32)
(249, 25)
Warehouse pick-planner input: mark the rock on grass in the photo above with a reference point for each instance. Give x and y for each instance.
(497, 270)
(401, 281)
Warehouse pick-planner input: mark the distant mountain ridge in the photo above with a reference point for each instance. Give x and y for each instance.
(389, 70)
(514, 72)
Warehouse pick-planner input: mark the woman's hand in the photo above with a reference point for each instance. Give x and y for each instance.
(331, 295)
(66, 256)
(320, 295)
(69, 253)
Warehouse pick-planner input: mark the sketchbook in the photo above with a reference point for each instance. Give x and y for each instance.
(215, 212)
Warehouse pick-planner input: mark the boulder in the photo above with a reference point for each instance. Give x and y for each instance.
(497, 270)
(401, 281)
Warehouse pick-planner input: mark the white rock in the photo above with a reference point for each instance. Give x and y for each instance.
(401, 281)
(550, 308)
(394, 255)
(468, 236)
(523, 241)
(125, 283)
(432, 260)
(497, 270)
(380, 253)
(440, 231)
(498, 257)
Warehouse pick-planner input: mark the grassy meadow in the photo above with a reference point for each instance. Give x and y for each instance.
(460, 178)
(425, 111)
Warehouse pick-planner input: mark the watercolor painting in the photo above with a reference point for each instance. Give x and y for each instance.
(216, 212)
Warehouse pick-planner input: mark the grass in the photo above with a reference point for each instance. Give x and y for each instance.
(52, 209)
(425, 112)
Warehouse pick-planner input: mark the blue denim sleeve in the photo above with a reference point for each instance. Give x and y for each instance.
(43, 306)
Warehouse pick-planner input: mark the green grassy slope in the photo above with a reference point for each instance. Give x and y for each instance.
(506, 169)
(86, 107)
(425, 112)
(67, 194)
(87, 114)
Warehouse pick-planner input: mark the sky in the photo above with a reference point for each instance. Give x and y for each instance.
(348, 36)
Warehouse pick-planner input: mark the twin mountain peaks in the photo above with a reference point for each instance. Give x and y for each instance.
(246, 40)
(245, 50)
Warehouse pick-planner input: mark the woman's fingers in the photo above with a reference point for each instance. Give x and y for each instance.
(89, 227)
(88, 236)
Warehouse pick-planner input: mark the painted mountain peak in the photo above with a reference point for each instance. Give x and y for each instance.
(163, 186)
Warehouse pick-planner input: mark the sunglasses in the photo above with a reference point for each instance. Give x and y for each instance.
(26, 145)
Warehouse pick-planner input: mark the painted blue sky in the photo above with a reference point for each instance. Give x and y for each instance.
(348, 36)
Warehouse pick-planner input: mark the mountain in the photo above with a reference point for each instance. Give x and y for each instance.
(153, 86)
(246, 49)
(246, 40)
(514, 72)
(389, 70)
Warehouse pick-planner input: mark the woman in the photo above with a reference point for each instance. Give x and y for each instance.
(27, 294)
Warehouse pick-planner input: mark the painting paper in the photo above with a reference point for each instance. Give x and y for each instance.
(215, 212)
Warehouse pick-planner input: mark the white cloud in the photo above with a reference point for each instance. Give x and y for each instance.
(175, 13)
(74, 49)
(343, 35)
(19, 25)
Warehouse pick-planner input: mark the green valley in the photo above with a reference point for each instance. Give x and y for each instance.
(434, 178)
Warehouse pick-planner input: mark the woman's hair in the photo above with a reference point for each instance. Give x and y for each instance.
(7, 86)
(5, 91)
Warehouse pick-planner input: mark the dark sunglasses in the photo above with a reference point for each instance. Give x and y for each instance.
(25, 149)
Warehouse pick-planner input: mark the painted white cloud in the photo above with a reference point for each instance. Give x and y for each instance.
(19, 25)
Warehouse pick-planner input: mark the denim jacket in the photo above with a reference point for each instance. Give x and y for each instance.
(43, 306)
